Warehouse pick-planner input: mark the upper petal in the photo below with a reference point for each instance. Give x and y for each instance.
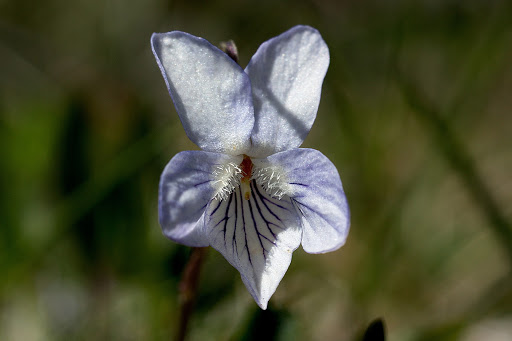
(211, 93)
(315, 189)
(187, 186)
(257, 236)
(286, 75)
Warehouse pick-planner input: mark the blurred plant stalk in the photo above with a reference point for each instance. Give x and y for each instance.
(460, 160)
(188, 289)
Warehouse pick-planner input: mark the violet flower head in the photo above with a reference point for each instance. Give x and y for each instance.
(250, 193)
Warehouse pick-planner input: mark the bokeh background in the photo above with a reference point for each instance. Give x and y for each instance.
(415, 114)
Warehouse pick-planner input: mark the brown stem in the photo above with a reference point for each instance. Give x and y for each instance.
(188, 289)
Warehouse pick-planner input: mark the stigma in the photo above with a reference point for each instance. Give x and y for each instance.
(245, 182)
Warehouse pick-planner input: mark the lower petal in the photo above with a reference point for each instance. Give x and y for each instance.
(186, 188)
(316, 191)
(257, 236)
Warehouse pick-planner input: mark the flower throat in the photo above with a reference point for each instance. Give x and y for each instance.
(245, 182)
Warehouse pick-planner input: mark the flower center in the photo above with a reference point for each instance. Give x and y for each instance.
(230, 176)
(246, 167)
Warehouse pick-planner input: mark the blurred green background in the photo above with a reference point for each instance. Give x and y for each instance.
(415, 114)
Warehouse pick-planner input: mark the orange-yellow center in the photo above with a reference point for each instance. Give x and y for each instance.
(246, 167)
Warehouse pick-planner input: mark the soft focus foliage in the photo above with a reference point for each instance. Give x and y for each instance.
(415, 113)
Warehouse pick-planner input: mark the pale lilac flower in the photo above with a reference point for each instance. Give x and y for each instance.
(252, 194)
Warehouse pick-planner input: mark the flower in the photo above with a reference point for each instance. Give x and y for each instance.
(251, 193)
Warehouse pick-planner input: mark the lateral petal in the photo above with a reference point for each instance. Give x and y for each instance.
(187, 186)
(286, 75)
(257, 236)
(211, 93)
(317, 194)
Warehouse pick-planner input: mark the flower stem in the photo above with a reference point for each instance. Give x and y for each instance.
(188, 289)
